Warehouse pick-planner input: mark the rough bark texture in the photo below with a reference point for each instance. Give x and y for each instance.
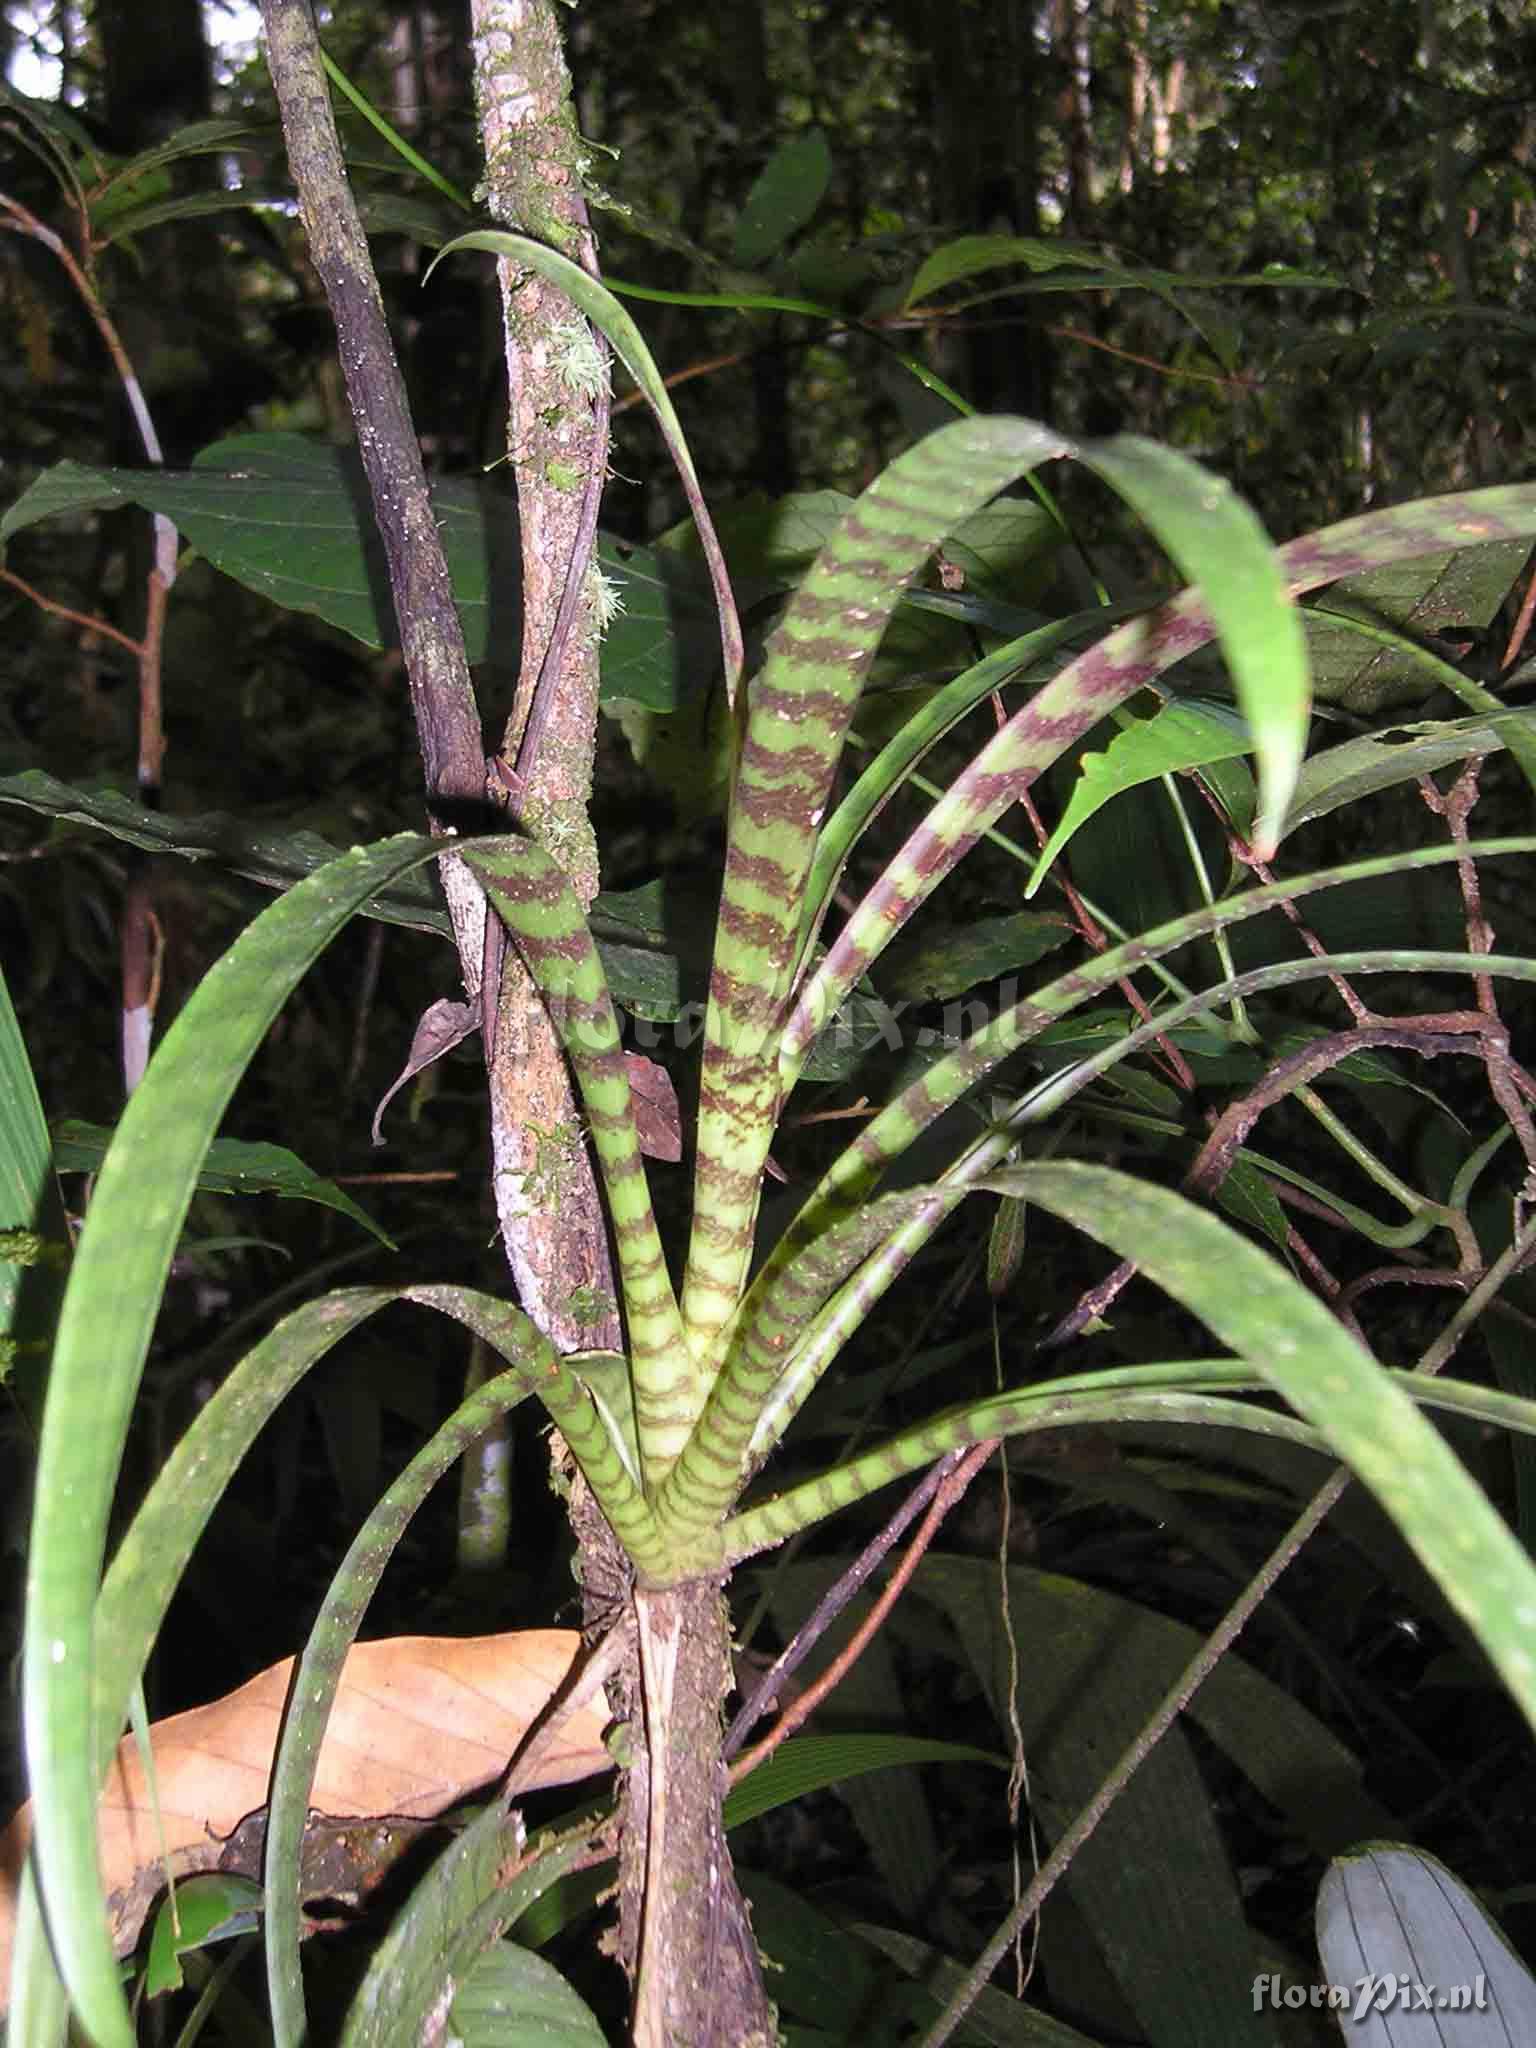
(546, 1195)
(684, 1935)
(697, 1975)
(431, 640)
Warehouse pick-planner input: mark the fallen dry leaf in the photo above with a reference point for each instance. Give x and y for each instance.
(419, 1722)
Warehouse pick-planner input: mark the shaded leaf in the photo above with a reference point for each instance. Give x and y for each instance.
(995, 2017)
(1460, 590)
(1375, 761)
(231, 1166)
(514, 1999)
(964, 956)
(286, 516)
(784, 196)
(973, 255)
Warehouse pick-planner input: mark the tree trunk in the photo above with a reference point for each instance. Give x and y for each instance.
(684, 1935)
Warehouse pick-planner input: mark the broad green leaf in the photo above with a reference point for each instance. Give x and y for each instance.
(1182, 1955)
(138, 215)
(212, 1906)
(512, 1998)
(1218, 543)
(1458, 591)
(231, 1166)
(803, 1764)
(1007, 1242)
(655, 954)
(688, 754)
(816, 1972)
(768, 542)
(819, 1972)
(1360, 767)
(1394, 1922)
(456, 1911)
(1251, 1303)
(276, 859)
(1248, 1198)
(928, 969)
(784, 196)
(135, 180)
(105, 1324)
(282, 514)
(973, 255)
(809, 1763)
(1108, 1661)
(1183, 735)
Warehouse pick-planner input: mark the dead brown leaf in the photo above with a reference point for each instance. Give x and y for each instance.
(419, 1722)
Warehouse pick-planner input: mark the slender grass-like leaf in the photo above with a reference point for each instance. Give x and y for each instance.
(34, 1234)
(606, 314)
(105, 1325)
(319, 1672)
(1254, 1305)
(885, 774)
(153, 1554)
(798, 716)
(1018, 1413)
(853, 1175)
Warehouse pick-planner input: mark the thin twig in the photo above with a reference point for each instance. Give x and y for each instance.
(831, 1604)
(1200, 1666)
(949, 1490)
(86, 620)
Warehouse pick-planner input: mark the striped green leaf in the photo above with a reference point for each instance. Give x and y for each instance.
(798, 717)
(530, 893)
(807, 1343)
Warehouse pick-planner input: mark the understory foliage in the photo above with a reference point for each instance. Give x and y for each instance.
(1086, 931)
